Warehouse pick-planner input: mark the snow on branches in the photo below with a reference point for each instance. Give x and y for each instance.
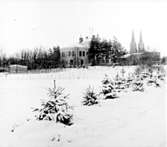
(55, 108)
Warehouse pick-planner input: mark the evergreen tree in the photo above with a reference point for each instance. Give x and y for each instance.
(103, 50)
(90, 97)
(56, 108)
(116, 51)
(108, 89)
(94, 50)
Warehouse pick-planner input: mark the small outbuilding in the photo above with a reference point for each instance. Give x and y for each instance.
(16, 68)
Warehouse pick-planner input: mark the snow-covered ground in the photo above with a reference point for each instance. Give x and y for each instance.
(136, 119)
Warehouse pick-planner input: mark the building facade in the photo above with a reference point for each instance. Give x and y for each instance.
(75, 55)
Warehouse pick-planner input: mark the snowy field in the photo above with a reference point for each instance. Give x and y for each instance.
(136, 119)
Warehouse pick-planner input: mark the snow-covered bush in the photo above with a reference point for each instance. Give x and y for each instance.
(144, 68)
(161, 77)
(150, 75)
(106, 80)
(139, 69)
(120, 84)
(153, 82)
(123, 72)
(90, 97)
(55, 108)
(161, 73)
(138, 85)
(145, 75)
(156, 76)
(129, 80)
(108, 89)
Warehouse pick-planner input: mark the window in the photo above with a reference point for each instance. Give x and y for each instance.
(83, 53)
(73, 53)
(69, 53)
(82, 62)
(71, 62)
(80, 53)
(63, 54)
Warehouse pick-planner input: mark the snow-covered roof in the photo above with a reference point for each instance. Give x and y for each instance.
(125, 56)
(17, 65)
(128, 55)
(84, 44)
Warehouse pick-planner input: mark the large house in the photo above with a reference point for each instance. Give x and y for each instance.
(76, 55)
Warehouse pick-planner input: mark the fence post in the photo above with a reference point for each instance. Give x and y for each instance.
(54, 84)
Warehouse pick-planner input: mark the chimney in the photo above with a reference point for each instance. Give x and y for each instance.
(81, 39)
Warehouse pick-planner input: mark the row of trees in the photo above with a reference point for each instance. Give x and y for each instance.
(36, 59)
(102, 51)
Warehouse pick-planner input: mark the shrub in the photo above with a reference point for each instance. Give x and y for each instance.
(108, 89)
(138, 86)
(139, 69)
(56, 108)
(106, 80)
(161, 73)
(129, 80)
(121, 83)
(90, 98)
(153, 82)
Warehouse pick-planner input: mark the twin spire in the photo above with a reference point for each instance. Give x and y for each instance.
(133, 46)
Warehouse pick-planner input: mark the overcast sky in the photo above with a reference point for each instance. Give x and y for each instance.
(33, 23)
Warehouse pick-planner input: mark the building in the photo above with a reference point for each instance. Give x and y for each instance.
(140, 55)
(151, 57)
(17, 68)
(133, 46)
(75, 55)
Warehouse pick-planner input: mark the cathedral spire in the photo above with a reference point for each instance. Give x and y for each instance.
(141, 44)
(133, 48)
(141, 39)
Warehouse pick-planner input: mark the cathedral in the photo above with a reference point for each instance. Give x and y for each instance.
(139, 55)
(134, 48)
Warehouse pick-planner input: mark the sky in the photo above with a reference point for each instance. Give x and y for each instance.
(26, 24)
